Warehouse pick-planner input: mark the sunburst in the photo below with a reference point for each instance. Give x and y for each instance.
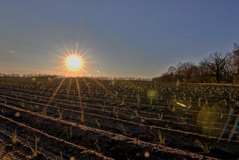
(74, 62)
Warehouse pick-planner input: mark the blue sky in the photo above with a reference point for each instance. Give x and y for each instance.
(136, 38)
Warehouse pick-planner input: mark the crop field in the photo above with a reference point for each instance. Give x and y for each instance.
(89, 118)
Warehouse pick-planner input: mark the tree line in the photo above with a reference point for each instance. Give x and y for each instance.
(218, 67)
(16, 75)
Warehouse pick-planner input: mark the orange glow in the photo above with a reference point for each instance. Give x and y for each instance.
(74, 62)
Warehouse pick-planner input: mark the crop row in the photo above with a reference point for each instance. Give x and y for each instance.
(114, 145)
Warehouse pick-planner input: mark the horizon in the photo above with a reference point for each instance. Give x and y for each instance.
(13, 75)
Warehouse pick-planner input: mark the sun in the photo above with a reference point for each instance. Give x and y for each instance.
(74, 63)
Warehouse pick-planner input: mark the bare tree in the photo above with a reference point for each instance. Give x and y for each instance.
(216, 63)
(180, 72)
(235, 54)
(230, 69)
(186, 72)
(172, 73)
(217, 67)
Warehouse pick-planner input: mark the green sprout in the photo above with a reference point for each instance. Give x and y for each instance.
(14, 136)
(97, 146)
(161, 138)
(160, 116)
(60, 114)
(35, 149)
(97, 122)
(122, 129)
(68, 133)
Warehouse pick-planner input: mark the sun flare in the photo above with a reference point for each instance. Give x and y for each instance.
(74, 63)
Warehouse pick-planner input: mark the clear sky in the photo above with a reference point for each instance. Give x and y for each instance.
(136, 38)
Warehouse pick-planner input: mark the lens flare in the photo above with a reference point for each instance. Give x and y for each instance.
(17, 114)
(206, 118)
(74, 60)
(225, 127)
(234, 128)
(182, 105)
(146, 154)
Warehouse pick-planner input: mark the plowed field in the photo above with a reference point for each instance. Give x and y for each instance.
(86, 118)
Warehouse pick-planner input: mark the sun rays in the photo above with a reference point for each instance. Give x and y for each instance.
(73, 61)
(74, 65)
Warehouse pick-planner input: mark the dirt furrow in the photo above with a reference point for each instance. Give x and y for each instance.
(113, 145)
(47, 143)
